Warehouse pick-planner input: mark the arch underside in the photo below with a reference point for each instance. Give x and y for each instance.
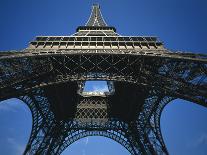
(114, 129)
(140, 136)
(186, 79)
(163, 79)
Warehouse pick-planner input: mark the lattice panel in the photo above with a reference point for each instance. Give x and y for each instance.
(97, 52)
(92, 110)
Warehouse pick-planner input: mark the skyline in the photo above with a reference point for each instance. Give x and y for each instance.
(178, 32)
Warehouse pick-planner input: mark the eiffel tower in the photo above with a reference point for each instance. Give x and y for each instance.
(142, 78)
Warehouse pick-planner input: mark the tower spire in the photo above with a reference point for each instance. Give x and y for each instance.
(96, 18)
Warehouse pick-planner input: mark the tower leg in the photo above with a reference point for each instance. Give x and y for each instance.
(46, 132)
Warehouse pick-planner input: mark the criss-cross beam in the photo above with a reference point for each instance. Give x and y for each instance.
(52, 137)
(141, 74)
(166, 77)
(183, 77)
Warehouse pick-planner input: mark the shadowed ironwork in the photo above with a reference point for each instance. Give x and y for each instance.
(142, 77)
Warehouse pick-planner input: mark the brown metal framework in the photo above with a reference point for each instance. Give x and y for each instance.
(141, 74)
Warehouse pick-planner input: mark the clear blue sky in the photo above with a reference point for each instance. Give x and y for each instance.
(180, 24)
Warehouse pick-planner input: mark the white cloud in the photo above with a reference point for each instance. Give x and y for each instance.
(18, 148)
(100, 88)
(11, 105)
(202, 140)
(83, 152)
(86, 141)
(4, 106)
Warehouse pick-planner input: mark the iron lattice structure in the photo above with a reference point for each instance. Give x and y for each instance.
(142, 76)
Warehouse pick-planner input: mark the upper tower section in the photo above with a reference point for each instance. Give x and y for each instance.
(96, 18)
(96, 25)
(96, 36)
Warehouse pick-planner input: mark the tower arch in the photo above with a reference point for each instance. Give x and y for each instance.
(48, 76)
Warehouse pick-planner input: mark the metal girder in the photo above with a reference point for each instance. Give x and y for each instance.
(171, 77)
(142, 77)
(174, 77)
(141, 136)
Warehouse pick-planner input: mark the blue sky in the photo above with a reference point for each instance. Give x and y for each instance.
(180, 24)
